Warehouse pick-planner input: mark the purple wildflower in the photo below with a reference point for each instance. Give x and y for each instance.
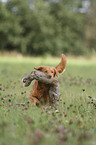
(10, 104)
(23, 104)
(64, 112)
(90, 117)
(4, 99)
(48, 112)
(26, 108)
(49, 107)
(56, 111)
(76, 117)
(17, 103)
(59, 120)
(38, 134)
(45, 107)
(71, 121)
(0, 88)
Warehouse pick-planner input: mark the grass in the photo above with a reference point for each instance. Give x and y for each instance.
(75, 121)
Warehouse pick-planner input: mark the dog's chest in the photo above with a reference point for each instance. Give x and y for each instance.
(43, 87)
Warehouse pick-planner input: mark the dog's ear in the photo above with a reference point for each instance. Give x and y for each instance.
(55, 72)
(38, 68)
(61, 66)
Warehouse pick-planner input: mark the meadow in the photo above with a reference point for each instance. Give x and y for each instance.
(73, 122)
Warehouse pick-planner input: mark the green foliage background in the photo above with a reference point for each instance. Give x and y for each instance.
(48, 26)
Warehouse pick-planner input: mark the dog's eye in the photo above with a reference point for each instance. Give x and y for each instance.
(45, 71)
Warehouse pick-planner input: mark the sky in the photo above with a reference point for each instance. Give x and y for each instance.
(82, 10)
(3, 0)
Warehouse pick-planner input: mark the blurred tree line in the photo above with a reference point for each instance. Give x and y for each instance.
(38, 27)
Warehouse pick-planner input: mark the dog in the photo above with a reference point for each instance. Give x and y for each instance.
(40, 91)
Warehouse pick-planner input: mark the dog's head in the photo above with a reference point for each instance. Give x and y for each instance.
(54, 71)
(49, 71)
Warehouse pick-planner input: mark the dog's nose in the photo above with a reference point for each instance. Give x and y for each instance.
(50, 76)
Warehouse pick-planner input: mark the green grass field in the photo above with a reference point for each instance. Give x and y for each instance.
(74, 121)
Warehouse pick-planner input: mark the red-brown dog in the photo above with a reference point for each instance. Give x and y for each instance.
(40, 91)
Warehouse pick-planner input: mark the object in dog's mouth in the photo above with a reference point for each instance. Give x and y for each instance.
(26, 83)
(27, 80)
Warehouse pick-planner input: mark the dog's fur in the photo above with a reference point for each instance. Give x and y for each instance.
(40, 91)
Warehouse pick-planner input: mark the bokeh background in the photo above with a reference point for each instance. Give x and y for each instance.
(38, 27)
